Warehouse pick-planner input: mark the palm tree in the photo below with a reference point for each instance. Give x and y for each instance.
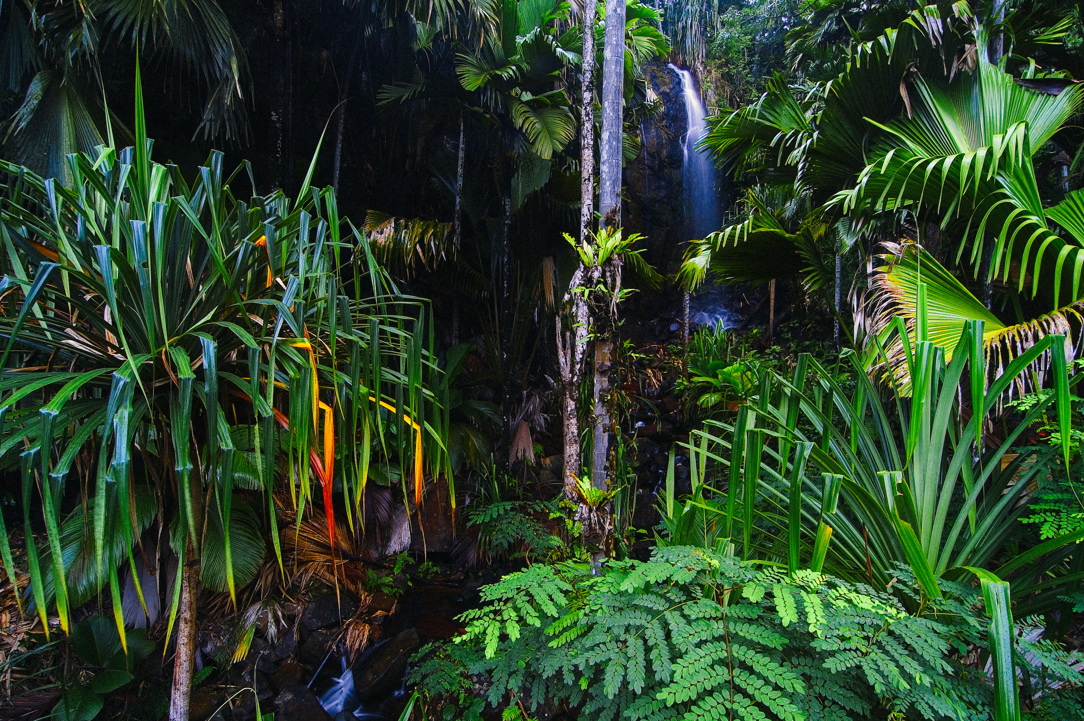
(160, 337)
(905, 134)
(965, 157)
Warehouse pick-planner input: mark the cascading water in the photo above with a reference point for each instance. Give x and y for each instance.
(341, 696)
(703, 210)
(701, 191)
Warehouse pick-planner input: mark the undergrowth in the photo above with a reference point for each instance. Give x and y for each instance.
(693, 634)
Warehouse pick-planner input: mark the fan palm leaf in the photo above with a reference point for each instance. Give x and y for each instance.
(965, 153)
(771, 243)
(949, 307)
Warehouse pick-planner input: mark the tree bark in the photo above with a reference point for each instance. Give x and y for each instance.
(572, 335)
(613, 88)
(506, 316)
(613, 97)
(281, 110)
(837, 297)
(185, 655)
(461, 162)
(587, 122)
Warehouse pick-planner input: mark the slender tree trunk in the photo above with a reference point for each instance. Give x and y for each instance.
(771, 312)
(837, 297)
(571, 346)
(587, 122)
(344, 95)
(613, 81)
(572, 336)
(457, 219)
(506, 316)
(185, 657)
(461, 163)
(613, 88)
(282, 108)
(686, 311)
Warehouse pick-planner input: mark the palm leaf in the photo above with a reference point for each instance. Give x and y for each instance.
(949, 307)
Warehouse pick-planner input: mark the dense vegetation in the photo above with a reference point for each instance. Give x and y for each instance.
(253, 411)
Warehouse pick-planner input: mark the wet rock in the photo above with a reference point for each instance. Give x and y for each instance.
(290, 673)
(298, 703)
(285, 646)
(326, 611)
(384, 672)
(204, 702)
(381, 602)
(313, 651)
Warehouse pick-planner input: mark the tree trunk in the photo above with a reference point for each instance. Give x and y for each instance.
(587, 122)
(185, 656)
(506, 316)
(571, 344)
(281, 110)
(837, 297)
(613, 88)
(457, 219)
(344, 95)
(461, 161)
(572, 335)
(613, 85)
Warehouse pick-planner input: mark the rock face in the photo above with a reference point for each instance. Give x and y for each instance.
(654, 186)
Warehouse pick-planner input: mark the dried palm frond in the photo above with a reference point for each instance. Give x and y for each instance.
(409, 241)
(522, 444)
(357, 633)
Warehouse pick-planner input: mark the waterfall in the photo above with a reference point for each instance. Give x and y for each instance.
(698, 173)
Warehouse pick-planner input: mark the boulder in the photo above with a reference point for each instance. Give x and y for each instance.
(326, 611)
(298, 703)
(313, 651)
(384, 672)
(290, 673)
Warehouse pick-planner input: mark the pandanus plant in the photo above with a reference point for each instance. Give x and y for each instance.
(908, 479)
(173, 355)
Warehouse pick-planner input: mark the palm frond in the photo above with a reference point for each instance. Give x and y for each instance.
(949, 307)
(409, 242)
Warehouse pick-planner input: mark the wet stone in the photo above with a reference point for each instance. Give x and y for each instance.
(384, 672)
(326, 611)
(298, 703)
(290, 673)
(313, 651)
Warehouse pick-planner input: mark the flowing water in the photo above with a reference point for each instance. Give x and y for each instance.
(702, 207)
(341, 695)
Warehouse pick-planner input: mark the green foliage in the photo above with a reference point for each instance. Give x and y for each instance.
(159, 334)
(110, 666)
(914, 490)
(696, 634)
(441, 669)
(1057, 505)
(508, 529)
(723, 372)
